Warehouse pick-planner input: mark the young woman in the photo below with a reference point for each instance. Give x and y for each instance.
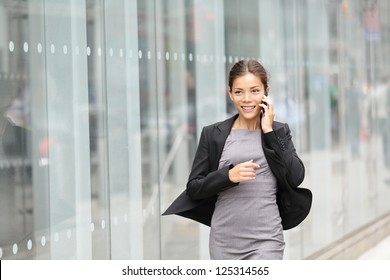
(244, 174)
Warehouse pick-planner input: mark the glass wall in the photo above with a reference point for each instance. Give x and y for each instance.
(102, 103)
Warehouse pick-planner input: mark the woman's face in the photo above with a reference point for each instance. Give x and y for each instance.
(246, 93)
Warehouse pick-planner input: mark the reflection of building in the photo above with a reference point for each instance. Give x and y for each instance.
(117, 93)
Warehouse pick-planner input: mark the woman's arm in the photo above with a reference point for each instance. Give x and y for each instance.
(203, 182)
(280, 142)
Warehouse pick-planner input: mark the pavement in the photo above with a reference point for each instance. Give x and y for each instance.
(379, 252)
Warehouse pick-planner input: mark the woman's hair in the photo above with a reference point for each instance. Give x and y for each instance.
(243, 67)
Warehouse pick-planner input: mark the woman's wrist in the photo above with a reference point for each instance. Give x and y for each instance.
(266, 130)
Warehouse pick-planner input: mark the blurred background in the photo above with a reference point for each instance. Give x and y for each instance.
(102, 103)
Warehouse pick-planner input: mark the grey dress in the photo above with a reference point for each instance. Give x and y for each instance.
(246, 223)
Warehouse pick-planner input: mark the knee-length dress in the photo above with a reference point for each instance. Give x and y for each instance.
(246, 223)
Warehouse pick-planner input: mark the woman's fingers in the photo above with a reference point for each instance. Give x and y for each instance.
(269, 114)
(245, 171)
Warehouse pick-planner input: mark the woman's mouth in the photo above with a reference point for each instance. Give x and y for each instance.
(248, 108)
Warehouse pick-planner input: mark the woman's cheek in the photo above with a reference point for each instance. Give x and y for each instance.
(258, 100)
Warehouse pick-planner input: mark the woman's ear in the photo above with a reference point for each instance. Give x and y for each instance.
(230, 95)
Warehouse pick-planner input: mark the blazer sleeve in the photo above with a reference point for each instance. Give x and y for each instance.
(204, 182)
(280, 141)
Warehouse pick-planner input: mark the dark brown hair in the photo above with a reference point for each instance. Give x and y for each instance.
(248, 66)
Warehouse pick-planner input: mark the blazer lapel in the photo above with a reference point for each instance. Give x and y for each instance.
(221, 131)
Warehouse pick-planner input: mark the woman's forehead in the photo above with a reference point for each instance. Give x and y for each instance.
(247, 80)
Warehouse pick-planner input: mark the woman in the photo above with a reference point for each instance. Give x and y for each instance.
(245, 175)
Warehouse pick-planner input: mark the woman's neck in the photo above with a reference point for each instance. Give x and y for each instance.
(241, 123)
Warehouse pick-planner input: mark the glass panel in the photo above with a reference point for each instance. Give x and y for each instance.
(97, 94)
(176, 117)
(16, 192)
(123, 129)
(151, 128)
(68, 134)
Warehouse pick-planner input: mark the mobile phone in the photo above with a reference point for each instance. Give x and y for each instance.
(262, 102)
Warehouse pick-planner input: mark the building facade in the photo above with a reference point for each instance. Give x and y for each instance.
(103, 102)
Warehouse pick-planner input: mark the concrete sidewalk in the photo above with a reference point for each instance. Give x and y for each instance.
(379, 252)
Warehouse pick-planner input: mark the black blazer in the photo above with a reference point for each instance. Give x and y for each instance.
(197, 202)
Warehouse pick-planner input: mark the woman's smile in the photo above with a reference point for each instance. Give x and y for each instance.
(248, 109)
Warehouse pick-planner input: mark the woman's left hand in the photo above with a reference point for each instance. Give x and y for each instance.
(268, 115)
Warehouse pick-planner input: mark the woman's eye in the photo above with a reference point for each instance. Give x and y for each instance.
(237, 93)
(256, 91)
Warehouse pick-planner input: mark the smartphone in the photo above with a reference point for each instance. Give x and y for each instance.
(262, 102)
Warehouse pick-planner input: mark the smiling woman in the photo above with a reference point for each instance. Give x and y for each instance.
(248, 83)
(246, 94)
(236, 174)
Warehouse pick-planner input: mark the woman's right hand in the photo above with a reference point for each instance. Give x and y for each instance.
(245, 171)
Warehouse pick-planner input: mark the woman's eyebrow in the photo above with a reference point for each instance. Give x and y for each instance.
(250, 87)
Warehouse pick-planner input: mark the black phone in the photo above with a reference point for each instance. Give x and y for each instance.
(262, 102)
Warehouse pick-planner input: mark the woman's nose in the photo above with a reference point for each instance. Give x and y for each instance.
(247, 96)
